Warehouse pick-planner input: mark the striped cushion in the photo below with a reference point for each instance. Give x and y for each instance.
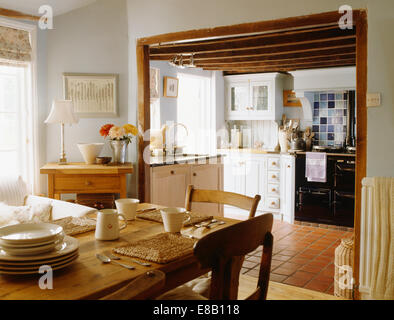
(13, 190)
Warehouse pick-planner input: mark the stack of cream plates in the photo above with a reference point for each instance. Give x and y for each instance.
(24, 248)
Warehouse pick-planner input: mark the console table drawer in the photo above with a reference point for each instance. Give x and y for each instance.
(87, 183)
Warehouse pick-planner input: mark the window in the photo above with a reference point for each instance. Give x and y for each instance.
(197, 112)
(17, 132)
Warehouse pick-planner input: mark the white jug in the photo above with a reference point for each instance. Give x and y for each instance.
(107, 226)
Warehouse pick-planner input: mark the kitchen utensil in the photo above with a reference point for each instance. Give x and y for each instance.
(107, 227)
(173, 218)
(146, 210)
(103, 160)
(113, 257)
(105, 259)
(204, 224)
(216, 223)
(127, 207)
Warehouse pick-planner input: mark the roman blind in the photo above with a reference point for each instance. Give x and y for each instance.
(15, 46)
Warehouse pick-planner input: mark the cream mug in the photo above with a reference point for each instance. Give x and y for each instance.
(127, 207)
(173, 218)
(107, 226)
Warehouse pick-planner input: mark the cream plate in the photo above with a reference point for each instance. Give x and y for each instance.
(35, 271)
(6, 245)
(37, 266)
(37, 262)
(67, 246)
(29, 232)
(30, 251)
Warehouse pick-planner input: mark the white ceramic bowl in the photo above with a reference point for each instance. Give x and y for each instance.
(90, 151)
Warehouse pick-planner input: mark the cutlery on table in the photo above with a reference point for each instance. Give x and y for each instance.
(216, 223)
(204, 224)
(105, 259)
(113, 257)
(146, 210)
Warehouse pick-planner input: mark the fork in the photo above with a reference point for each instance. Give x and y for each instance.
(113, 257)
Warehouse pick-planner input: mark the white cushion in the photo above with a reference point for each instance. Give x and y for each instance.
(62, 209)
(181, 293)
(201, 285)
(13, 190)
(24, 214)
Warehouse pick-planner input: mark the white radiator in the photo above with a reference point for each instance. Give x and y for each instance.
(366, 236)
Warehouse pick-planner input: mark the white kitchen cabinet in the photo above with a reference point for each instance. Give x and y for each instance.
(169, 184)
(288, 187)
(255, 96)
(207, 177)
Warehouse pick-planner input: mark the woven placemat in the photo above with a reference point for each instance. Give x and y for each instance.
(161, 248)
(74, 225)
(156, 216)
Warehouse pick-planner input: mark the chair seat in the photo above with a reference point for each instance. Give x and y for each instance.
(182, 292)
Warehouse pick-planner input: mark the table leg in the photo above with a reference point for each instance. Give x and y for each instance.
(51, 185)
(123, 186)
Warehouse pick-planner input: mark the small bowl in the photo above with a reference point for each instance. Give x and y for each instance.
(103, 160)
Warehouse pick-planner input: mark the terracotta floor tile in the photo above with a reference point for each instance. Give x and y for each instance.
(277, 277)
(298, 282)
(299, 260)
(304, 275)
(276, 263)
(244, 270)
(317, 285)
(288, 252)
(253, 259)
(283, 271)
(249, 264)
(312, 269)
(253, 273)
(280, 257)
(318, 247)
(323, 278)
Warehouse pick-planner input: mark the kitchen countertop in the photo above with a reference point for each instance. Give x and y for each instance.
(184, 159)
(249, 150)
(352, 155)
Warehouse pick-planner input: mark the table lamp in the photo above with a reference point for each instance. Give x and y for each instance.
(62, 112)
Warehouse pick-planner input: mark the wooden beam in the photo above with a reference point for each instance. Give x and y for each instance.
(259, 63)
(320, 19)
(278, 57)
(285, 66)
(17, 15)
(262, 42)
(143, 122)
(247, 52)
(361, 142)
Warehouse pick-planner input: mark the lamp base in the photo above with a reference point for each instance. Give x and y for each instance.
(62, 161)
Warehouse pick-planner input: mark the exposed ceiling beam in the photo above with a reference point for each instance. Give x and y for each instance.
(17, 15)
(266, 42)
(288, 67)
(287, 49)
(293, 60)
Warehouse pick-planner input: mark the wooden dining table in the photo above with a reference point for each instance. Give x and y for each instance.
(89, 278)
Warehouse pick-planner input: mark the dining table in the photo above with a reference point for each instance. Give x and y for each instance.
(89, 278)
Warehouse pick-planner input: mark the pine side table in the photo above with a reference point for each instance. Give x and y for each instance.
(78, 177)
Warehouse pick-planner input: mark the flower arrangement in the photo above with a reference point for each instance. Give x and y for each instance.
(119, 133)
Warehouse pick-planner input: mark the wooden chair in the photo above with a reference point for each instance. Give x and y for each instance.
(221, 251)
(146, 286)
(222, 197)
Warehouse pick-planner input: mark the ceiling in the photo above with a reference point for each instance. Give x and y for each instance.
(287, 50)
(31, 6)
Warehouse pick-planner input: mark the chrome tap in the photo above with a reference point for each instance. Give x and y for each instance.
(164, 129)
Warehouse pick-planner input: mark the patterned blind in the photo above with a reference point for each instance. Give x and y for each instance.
(15, 46)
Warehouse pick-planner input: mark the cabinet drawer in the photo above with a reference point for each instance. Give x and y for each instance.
(273, 164)
(109, 183)
(273, 176)
(273, 203)
(273, 189)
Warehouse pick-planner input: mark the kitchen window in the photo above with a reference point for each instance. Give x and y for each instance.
(197, 112)
(17, 131)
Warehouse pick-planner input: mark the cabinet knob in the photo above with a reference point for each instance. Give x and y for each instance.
(272, 203)
(88, 183)
(289, 166)
(273, 176)
(172, 171)
(274, 163)
(194, 174)
(273, 189)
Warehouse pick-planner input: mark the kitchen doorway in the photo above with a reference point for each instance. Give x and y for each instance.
(325, 21)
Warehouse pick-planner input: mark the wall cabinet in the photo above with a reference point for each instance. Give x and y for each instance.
(169, 184)
(256, 96)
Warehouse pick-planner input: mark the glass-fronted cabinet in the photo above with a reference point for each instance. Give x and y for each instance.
(253, 97)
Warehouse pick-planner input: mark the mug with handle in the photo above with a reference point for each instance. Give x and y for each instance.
(173, 218)
(107, 226)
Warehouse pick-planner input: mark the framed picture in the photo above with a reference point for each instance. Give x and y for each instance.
(170, 87)
(94, 95)
(154, 76)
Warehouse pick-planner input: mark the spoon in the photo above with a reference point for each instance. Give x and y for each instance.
(113, 257)
(105, 259)
(214, 224)
(204, 224)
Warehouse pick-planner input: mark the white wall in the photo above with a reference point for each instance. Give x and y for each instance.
(92, 39)
(153, 17)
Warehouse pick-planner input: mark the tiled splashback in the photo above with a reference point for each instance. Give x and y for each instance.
(329, 116)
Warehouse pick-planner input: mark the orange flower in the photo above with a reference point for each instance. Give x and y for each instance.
(105, 129)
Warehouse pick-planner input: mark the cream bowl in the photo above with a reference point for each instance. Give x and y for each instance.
(90, 151)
